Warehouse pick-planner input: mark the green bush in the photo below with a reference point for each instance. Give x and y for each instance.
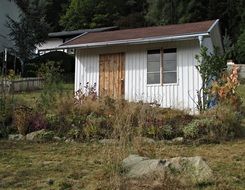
(159, 132)
(197, 128)
(74, 133)
(224, 122)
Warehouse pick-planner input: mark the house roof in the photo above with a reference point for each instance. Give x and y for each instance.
(79, 32)
(140, 34)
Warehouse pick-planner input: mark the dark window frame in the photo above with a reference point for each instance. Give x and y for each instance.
(161, 72)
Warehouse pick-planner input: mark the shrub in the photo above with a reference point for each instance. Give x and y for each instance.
(51, 73)
(37, 122)
(159, 132)
(96, 127)
(196, 128)
(225, 89)
(224, 122)
(216, 124)
(22, 117)
(74, 133)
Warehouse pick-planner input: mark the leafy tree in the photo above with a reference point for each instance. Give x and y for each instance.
(131, 13)
(210, 67)
(89, 14)
(195, 10)
(100, 13)
(30, 30)
(229, 47)
(162, 12)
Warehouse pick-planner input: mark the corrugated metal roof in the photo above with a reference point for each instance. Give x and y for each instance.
(78, 32)
(142, 33)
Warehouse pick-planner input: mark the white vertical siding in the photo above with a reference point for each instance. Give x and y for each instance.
(207, 42)
(181, 95)
(87, 69)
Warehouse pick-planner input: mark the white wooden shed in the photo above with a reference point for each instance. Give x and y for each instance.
(148, 64)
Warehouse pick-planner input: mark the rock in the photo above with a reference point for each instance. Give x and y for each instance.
(138, 166)
(178, 140)
(193, 170)
(69, 140)
(16, 137)
(50, 181)
(108, 141)
(166, 141)
(41, 135)
(57, 138)
(145, 140)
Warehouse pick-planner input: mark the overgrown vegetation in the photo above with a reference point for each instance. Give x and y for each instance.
(88, 117)
(121, 120)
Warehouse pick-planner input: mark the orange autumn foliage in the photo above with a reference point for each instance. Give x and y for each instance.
(225, 89)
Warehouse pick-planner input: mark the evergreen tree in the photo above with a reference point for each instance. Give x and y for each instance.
(240, 48)
(131, 13)
(54, 10)
(162, 12)
(30, 30)
(89, 14)
(100, 13)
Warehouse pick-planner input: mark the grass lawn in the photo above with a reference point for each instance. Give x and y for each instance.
(30, 98)
(241, 91)
(93, 166)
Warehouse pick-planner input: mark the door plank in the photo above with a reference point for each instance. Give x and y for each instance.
(111, 76)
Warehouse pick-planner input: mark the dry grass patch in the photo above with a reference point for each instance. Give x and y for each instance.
(93, 166)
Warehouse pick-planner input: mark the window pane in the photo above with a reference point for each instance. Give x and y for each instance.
(153, 78)
(153, 67)
(170, 77)
(169, 66)
(169, 56)
(155, 51)
(154, 55)
(172, 50)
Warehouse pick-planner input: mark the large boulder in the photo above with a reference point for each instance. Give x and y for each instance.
(16, 137)
(41, 135)
(137, 166)
(193, 170)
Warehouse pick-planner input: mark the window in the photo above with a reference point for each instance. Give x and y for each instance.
(161, 66)
(153, 66)
(169, 66)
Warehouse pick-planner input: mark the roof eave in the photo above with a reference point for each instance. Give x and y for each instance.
(134, 41)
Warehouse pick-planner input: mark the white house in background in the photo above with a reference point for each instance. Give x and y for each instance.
(148, 64)
(58, 38)
(6, 8)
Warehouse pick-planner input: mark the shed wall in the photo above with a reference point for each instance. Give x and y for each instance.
(180, 95)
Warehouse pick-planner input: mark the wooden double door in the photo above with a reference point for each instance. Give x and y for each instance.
(112, 75)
